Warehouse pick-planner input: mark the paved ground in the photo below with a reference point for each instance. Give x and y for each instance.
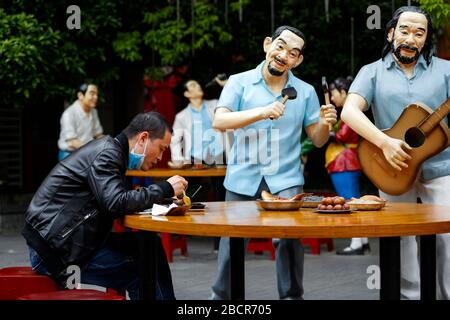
(327, 276)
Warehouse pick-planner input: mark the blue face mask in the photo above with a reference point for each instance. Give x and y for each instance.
(135, 160)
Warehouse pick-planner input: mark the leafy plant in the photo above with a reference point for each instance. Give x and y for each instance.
(439, 10)
(25, 46)
(174, 39)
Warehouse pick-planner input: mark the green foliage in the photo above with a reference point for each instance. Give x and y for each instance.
(127, 46)
(25, 46)
(175, 39)
(40, 59)
(439, 10)
(239, 4)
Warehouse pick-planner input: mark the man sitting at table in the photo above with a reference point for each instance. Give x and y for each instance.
(70, 217)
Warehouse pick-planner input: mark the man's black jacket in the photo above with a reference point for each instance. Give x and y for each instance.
(71, 214)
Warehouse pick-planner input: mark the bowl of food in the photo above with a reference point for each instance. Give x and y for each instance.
(279, 205)
(178, 165)
(367, 202)
(362, 204)
(269, 201)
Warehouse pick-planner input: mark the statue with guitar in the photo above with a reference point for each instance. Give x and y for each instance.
(424, 130)
(406, 152)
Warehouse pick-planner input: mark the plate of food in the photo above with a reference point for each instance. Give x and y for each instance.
(368, 203)
(269, 201)
(178, 165)
(336, 204)
(279, 205)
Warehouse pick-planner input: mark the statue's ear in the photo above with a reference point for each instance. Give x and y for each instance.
(390, 35)
(266, 44)
(299, 61)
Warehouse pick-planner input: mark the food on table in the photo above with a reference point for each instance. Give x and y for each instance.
(313, 198)
(178, 165)
(333, 203)
(373, 198)
(186, 199)
(311, 201)
(265, 195)
(300, 196)
(179, 202)
(368, 202)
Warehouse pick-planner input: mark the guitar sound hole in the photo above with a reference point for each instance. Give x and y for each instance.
(414, 137)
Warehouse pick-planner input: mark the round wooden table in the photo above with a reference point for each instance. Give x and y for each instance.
(243, 219)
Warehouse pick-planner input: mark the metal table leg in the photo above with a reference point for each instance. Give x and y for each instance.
(390, 268)
(147, 265)
(237, 269)
(428, 267)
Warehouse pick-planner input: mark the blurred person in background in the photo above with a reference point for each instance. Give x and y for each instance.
(79, 122)
(341, 159)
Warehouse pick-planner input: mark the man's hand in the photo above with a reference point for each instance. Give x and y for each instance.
(178, 184)
(273, 111)
(393, 150)
(328, 115)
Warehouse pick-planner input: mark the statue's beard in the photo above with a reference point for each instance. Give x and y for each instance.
(404, 59)
(274, 72)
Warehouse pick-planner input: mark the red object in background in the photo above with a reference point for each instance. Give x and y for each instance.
(315, 243)
(22, 283)
(19, 281)
(171, 242)
(161, 98)
(347, 160)
(258, 246)
(82, 294)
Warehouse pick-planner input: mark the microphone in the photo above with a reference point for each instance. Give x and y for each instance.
(221, 76)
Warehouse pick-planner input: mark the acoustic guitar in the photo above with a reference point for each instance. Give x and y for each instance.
(424, 130)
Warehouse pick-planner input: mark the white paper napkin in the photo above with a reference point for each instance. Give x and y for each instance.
(159, 210)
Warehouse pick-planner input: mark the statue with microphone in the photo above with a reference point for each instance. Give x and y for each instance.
(220, 79)
(194, 141)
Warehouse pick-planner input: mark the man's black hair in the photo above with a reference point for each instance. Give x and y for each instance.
(184, 84)
(427, 50)
(83, 87)
(341, 83)
(152, 122)
(280, 29)
(182, 88)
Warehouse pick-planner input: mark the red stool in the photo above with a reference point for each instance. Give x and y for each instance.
(315, 243)
(19, 281)
(81, 294)
(171, 242)
(258, 246)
